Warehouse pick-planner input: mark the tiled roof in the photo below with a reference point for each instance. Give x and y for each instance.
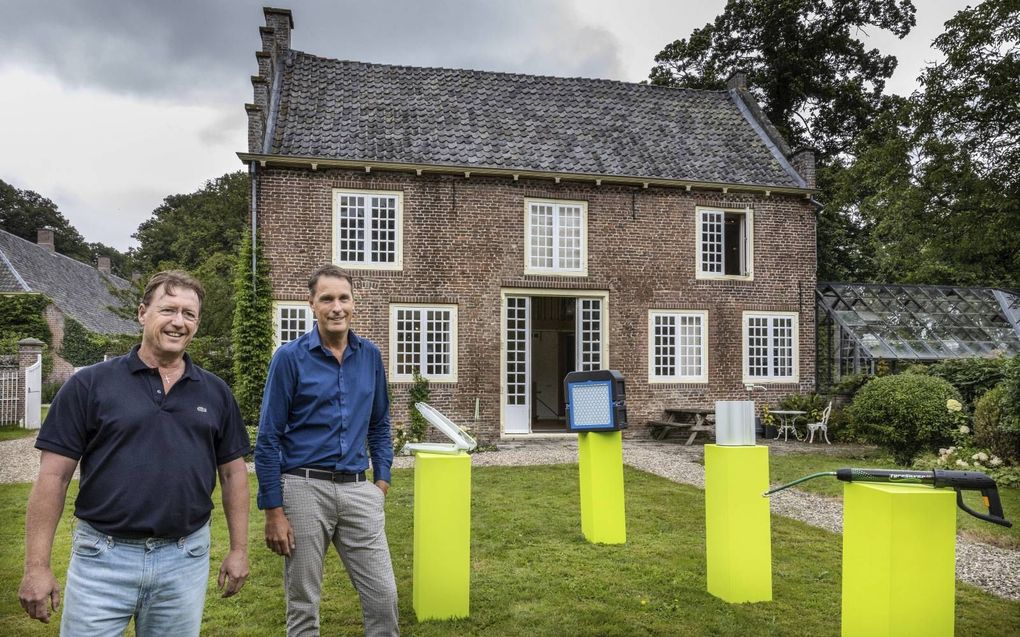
(77, 288)
(356, 111)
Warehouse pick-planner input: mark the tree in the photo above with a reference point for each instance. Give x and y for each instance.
(200, 232)
(186, 229)
(967, 126)
(814, 79)
(935, 182)
(252, 333)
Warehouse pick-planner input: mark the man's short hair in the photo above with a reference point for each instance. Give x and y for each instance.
(328, 270)
(171, 280)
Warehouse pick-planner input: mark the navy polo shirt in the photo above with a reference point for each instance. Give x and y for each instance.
(148, 461)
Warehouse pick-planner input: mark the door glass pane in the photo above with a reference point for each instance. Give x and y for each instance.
(516, 350)
(590, 330)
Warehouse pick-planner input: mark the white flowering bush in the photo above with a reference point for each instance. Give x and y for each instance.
(965, 457)
(965, 454)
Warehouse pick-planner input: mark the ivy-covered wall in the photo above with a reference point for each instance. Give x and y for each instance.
(21, 316)
(81, 346)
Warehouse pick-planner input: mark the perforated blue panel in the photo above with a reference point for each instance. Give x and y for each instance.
(591, 405)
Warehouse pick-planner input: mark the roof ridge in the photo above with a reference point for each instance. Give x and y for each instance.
(719, 92)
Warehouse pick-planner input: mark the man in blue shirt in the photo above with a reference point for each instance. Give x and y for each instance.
(326, 398)
(151, 430)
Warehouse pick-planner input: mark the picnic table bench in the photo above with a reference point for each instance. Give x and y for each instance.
(685, 419)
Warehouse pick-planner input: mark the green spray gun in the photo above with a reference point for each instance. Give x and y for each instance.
(959, 480)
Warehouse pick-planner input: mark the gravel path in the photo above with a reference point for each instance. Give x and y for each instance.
(991, 568)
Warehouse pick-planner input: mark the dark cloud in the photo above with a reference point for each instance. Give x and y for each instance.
(192, 49)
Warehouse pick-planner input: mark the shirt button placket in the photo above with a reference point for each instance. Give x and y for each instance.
(340, 407)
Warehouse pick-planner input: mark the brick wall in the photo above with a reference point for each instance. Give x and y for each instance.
(464, 241)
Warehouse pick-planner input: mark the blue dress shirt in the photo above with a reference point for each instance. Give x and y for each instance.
(317, 412)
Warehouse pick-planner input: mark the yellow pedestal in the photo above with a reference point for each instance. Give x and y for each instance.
(441, 568)
(738, 538)
(600, 455)
(899, 555)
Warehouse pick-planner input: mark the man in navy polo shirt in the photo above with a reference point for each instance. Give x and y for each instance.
(325, 399)
(151, 431)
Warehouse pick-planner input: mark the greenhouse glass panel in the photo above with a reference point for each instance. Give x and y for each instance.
(916, 323)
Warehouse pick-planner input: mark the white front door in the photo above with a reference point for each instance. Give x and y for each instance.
(33, 395)
(517, 374)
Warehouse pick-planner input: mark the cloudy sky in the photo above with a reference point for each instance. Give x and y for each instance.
(107, 106)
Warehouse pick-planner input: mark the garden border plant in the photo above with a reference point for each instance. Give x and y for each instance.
(905, 414)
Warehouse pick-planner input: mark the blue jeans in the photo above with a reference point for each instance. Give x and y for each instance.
(159, 582)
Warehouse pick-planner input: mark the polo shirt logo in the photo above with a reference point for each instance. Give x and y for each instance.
(201, 409)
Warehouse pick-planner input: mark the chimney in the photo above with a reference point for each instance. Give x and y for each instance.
(737, 81)
(104, 265)
(44, 237)
(281, 22)
(803, 161)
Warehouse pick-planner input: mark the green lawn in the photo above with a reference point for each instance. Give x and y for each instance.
(533, 573)
(12, 432)
(788, 467)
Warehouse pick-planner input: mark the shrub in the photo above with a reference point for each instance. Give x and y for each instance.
(850, 384)
(214, 354)
(988, 425)
(1011, 397)
(49, 390)
(915, 368)
(905, 414)
(972, 377)
(811, 404)
(968, 458)
(252, 332)
(415, 432)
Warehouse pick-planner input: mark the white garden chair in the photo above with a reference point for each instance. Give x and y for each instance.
(823, 424)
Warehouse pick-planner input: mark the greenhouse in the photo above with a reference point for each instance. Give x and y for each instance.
(861, 325)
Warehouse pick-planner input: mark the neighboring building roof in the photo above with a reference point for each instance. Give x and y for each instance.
(924, 322)
(342, 110)
(78, 289)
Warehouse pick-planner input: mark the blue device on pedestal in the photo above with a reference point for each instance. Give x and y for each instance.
(596, 401)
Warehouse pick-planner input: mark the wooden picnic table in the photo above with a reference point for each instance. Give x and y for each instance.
(692, 419)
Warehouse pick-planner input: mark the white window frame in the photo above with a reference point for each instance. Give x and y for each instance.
(795, 348)
(558, 205)
(451, 377)
(678, 377)
(366, 263)
(748, 243)
(278, 306)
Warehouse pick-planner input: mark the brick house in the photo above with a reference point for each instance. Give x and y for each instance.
(506, 229)
(75, 289)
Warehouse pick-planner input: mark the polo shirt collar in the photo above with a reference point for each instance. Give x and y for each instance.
(136, 364)
(315, 341)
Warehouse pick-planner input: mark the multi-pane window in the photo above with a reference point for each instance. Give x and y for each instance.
(292, 320)
(724, 243)
(555, 237)
(677, 347)
(770, 347)
(367, 229)
(423, 338)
